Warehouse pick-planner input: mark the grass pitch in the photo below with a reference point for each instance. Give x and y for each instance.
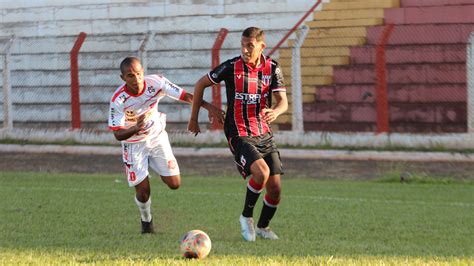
(51, 218)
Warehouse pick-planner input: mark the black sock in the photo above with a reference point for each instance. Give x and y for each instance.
(250, 200)
(266, 215)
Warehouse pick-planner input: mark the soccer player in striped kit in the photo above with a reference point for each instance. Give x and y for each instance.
(136, 122)
(251, 80)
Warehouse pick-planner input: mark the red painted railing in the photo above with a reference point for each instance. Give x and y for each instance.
(216, 88)
(75, 100)
(294, 28)
(381, 90)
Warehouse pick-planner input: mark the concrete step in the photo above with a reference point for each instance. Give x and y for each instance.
(88, 94)
(185, 24)
(179, 112)
(325, 61)
(310, 71)
(348, 14)
(131, 43)
(396, 127)
(399, 112)
(317, 51)
(430, 15)
(423, 34)
(422, 3)
(95, 78)
(332, 42)
(198, 60)
(402, 74)
(408, 93)
(345, 23)
(337, 32)
(368, 4)
(312, 80)
(99, 10)
(446, 53)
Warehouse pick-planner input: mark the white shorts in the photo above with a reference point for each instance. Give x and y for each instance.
(156, 152)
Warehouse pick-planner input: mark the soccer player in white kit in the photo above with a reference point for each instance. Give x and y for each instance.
(136, 122)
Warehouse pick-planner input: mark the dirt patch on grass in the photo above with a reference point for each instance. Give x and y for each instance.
(224, 165)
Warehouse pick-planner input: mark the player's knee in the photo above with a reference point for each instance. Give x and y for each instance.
(174, 185)
(274, 190)
(261, 174)
(173, 182)
(143, 195)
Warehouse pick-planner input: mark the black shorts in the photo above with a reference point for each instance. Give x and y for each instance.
(247, 150)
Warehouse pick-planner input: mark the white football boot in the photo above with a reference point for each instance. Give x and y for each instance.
(266, 233)
(247, 228)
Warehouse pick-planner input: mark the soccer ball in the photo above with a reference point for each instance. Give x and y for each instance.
(195, 244)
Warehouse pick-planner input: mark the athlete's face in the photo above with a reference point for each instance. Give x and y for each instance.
(133, 77)
(251, 49)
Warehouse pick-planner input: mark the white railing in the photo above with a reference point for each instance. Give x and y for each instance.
(296, 88)
(7, 87)
(142, 51)
(470, 83)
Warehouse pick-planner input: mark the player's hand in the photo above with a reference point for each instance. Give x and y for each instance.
(269, 115)
(216, 114)
(141, 122)
(193, 127)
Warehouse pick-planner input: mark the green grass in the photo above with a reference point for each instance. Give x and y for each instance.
(49, 218)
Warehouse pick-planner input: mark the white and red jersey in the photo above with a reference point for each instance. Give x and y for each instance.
(126, 107)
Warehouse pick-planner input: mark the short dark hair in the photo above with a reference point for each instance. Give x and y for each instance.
(127, 62)
(254, 32)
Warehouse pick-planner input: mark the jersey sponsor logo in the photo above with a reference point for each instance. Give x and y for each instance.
(130, 116)
(248, 98)
(173, 86)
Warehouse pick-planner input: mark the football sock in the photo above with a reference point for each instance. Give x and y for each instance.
(145, 210)
(253, 192)
(268, 210)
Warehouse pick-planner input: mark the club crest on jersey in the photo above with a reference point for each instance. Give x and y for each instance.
(150, 90)
(266, 79)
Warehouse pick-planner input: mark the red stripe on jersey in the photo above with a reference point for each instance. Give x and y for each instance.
(115, 128)
(181, 97)
(252, 108)
(267, 72)
(239, 79)
(118, 93)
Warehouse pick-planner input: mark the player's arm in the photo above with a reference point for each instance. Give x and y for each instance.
(125, 133)
(281, 105)
(215, 114)
(193, 124)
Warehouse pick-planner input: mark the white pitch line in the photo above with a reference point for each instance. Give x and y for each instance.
(412, 156)
(305, 197)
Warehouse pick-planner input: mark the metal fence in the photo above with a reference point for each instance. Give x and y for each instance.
(387, 78)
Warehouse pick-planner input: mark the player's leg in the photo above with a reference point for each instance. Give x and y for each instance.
(143, 201)
(163, 162)
(271, 198)
(135, 158)
(249, 162)
(173, 181)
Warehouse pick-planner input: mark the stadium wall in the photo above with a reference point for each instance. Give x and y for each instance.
(183, 35)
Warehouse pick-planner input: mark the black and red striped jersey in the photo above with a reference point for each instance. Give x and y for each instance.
(249, 90)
